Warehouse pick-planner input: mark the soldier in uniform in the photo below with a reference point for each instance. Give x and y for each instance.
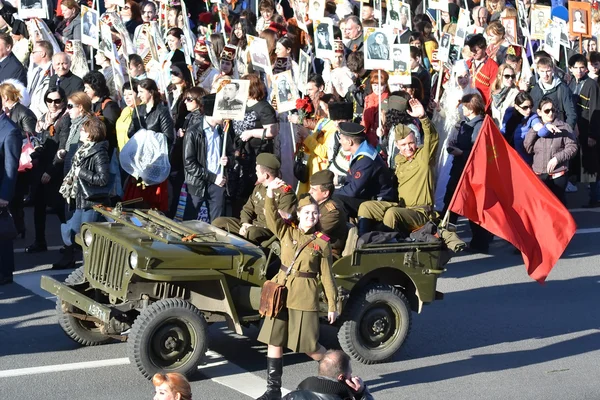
(415, 173)
(252, 223)
(333, 217)
(305, 255)
(369, 178)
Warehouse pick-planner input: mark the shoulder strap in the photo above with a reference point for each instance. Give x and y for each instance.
(312, 238)
(105, 102)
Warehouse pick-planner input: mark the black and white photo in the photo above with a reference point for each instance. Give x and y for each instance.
(400, 73)
(304, 67)
(377, 48)
(324, 38)
(286, 91)
(89, 26)
(259, 55)
(32, 9)
(231, 100)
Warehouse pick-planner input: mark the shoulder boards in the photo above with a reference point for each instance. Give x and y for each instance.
(330, 206)
(323, 236)
(286, 189)
(359, 157)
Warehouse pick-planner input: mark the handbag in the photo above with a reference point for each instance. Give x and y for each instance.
(300, 168)
(25, 161)
(8, 230)
(273, 296)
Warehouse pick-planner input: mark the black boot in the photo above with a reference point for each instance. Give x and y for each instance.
(365, 225)
(67, 260)
(274, 372)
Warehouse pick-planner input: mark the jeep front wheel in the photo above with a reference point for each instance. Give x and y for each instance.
(83, 332)
(168, 336)
(375, 324)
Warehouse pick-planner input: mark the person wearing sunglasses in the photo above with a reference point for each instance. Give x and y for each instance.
(587, 104)
(504, 92)
(517, 121)
(47, 173)
(552, 147)
(131, 15)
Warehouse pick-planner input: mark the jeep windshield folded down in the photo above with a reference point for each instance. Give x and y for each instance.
(157, 284)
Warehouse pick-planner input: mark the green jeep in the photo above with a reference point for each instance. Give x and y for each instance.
(158, 284)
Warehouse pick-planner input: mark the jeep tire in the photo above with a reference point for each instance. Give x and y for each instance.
(170, 335)
(86, 333)
(375, 323)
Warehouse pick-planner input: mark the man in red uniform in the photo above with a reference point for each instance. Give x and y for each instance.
(483, 69)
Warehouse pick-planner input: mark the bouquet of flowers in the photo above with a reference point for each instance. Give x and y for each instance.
(304, 107)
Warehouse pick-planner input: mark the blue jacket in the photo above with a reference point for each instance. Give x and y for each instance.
(11, 68)
(369, 177)
(521, 131)
(10, 152)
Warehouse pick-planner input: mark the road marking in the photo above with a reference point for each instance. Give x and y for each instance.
(11, 373)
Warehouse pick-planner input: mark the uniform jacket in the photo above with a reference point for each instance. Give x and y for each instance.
(544, 145)
(416, 181)
(11, 68)
(253, 211)
(320, 388)
(158, 120)
(333, 224)
(10, 152)
(95, 171)
(24, 118)
(369, 177)
(70, 83)
(303, 293)
(562, 97)
(484, 77)
(197, 175)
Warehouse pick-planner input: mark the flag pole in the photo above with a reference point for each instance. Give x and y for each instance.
(379, 103)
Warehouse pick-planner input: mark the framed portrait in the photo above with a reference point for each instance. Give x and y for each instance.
(377, 7)
(464, 20)
(32, 9)
(300, 12)
(552, 41)
(230, 102)
(441, 5)
(443, 53)
(304, 67)
(400, 72)
(540, 19)
(398, 15)
(377, 48)
(510, 27)
(286, 90)
(580, 14)
(316, 9)
(564, 31)
(323, 38)
(89, 26)
(259, 55)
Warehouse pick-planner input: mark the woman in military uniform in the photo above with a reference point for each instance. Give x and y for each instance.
(297, 326)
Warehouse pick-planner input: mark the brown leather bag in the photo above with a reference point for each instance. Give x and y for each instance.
(273, 296)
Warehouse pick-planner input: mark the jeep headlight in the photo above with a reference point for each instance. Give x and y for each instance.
(88, 238)
(133, 260)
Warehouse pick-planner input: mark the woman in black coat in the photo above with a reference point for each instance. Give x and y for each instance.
(47, 174)
(25, 120)
(86, 184)
(94, 84)
(474, 111)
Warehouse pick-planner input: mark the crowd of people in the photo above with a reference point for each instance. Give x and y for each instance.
(139, 121)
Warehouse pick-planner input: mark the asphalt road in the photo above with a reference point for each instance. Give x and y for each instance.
(496, 335)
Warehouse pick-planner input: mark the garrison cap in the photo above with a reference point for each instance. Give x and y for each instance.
(351, 129)
(322, 177)
(394, 103)
(268, 160)
(305, 200)
(341, 110)
(401, 132)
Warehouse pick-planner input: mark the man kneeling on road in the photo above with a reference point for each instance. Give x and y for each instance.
(414, 170)
(252, 223)
(335, 381)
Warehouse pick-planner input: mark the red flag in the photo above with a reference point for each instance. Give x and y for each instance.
(500, 192)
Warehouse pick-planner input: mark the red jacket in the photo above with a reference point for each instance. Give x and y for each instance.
(371, 117)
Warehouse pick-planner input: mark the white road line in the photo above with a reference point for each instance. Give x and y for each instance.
(63, 367)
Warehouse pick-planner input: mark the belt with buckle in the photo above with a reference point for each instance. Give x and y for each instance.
(298, 273)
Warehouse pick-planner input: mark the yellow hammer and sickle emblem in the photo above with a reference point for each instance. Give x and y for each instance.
(491, 153)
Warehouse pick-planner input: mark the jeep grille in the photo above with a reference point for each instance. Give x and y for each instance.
(107, 263)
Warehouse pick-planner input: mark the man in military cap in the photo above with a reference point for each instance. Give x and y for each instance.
(333, 217)
(323, 40)
(368, 178)
(252, 223)
(415, 173)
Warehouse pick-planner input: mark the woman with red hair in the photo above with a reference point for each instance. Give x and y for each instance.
(171, 386)
(370, 121)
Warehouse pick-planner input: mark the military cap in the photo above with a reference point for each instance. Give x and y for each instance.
(305, 200)
(351, 129)
(341, 110)
(321, 177)
(322, 28)
(268, 160)
(394, 103)
(401, 132)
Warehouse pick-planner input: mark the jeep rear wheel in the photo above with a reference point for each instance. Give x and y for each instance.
(86, 333)
(168, 336)
(375, 324)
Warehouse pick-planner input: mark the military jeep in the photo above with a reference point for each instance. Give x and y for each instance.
(157, 284)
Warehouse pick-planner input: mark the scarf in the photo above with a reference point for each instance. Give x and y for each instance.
(68, 189)
(47, 121)
(499, 97)
(76, 124)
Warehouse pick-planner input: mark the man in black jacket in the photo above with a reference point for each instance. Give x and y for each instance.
(63, 77)
(335, 381)
(204, 163)
(10, 66)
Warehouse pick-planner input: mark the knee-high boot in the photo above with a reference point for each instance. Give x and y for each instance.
(274, 373)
